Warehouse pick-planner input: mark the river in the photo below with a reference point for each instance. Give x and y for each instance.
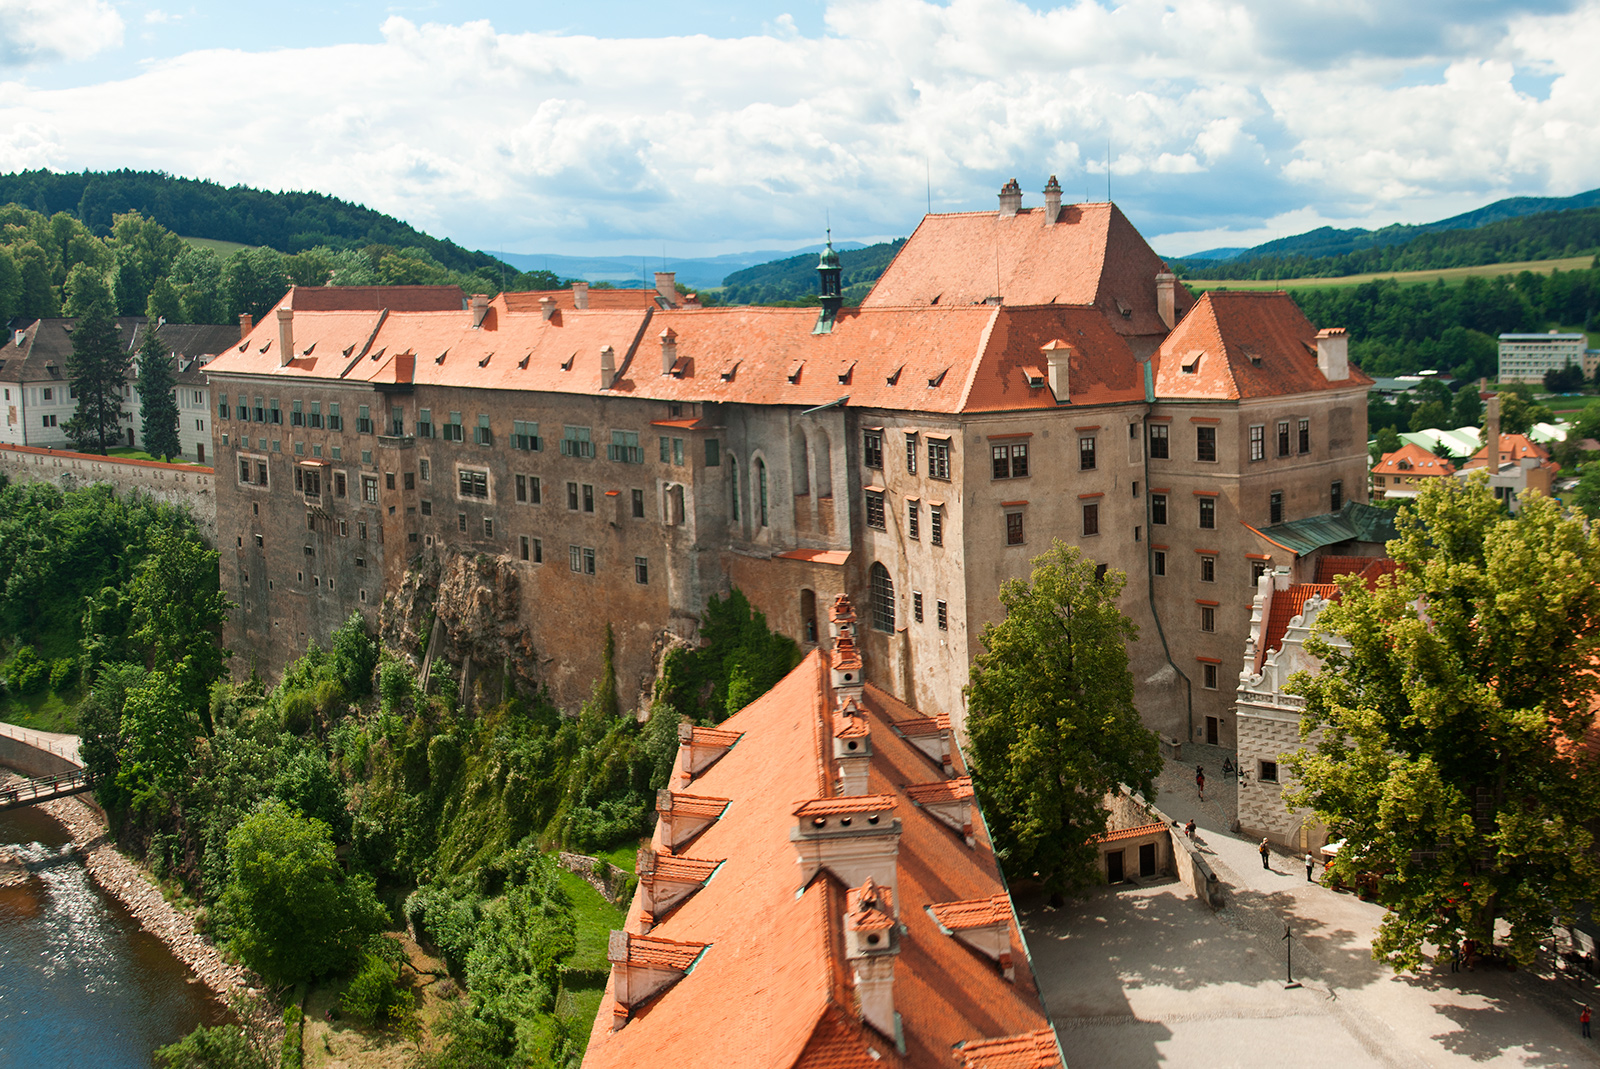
(81, 984)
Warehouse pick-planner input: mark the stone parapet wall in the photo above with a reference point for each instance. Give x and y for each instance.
(188, 485)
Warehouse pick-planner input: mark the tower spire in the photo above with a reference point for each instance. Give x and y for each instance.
(828, 272)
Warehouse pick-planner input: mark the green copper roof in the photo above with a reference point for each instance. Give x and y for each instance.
(830, 259)
(1355, 522)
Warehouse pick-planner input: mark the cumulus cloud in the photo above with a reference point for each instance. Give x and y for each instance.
(45, 31)
(1218, 115)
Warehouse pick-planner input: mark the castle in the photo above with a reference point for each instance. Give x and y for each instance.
(556, 463)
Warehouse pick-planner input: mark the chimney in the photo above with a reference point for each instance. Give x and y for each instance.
(285, 336)
(1058, 355)
(246, 325)
(844, 661)
(852, 747)
(871, 945)
(669, 350)
(854, 837)
(480, 307)
(666, 287)
(1052, 201)
(1491, 432)
(547, 307)
(580, 295)
(608, 366)
(1010, 199)
(1333, 353)
(1167, 298)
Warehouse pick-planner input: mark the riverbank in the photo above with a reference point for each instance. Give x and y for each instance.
(122, 880)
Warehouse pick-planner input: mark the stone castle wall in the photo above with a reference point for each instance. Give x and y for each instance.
(173, 484)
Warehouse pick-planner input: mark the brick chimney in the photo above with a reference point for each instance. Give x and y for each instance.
(1010, 199)
(1052, 201)
(1167, 298)
(285, 336)
(480, 308)
(666, 287)
(608, 367)
(1058, 356)
(1333, 353)
(1491, 432)
(669, 350)
(844, 662)
(580, 295)
(547, 307)
(871, 945)
(246, 325)
(853, 837)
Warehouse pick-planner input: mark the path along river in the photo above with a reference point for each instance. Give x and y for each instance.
(81, 983)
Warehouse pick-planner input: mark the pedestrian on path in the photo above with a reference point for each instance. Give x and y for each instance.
(1583, 1019)
(1265, 854)
(1310, 862)
(1455, 959)
(1200, 782)
(1189, 829)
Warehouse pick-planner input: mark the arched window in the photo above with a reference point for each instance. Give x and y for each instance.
(799, 477)
(808, 614)
(882, 598)
(733, 475)
(824, 458)
(761, 486)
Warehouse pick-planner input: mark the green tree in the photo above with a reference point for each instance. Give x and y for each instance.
(158, 405)
(1430, 415)
(295, 914)
(177, 612)
(224, 1047)
(1449, 754)
(86, 289)
(355, 656)
(98, 370)
(1051, 718)
(1388, 441)
(164, 305)
(1518, 412)
(1569, 379)
(1587, 495)
(1467, 409)
(157, 739)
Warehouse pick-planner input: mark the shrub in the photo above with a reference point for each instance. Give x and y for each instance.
(63, 673)
(394, 685)
(297, 712)
(226, 1047)
(27, 673)
(375, 996)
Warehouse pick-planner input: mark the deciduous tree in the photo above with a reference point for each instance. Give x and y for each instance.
(178, 610)
(1051, 718)
(1449, 753)
(158, 405)
(295, 913)
(97, 370)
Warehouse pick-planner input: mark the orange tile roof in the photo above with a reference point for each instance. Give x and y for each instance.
(1286, 605)
(816, 556)
(372, 299)
(1102, 369)
(854, 803)
(1131, 833)
(916, 727)
(704, 736)
(1422, 461)
(667, 953)
(1035, 1050)
(1513, 448)
(1371, 569)
(869, 908)
(694, 805)
(1091, 255)
(978, 913)
(599, 299)
(686, 869)
(1224, 336)
(950, 790)
(773, 988)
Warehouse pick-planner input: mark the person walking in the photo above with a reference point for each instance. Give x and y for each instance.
(1310, 862)
(1200, 782)
(1583, 1019)
(1188, 829)
(1265, 854)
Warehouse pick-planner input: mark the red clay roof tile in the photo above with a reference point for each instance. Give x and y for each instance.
(1422, 461)
(950, 790)
(1286, 605)
(1034, 1050)
(976, 913)
(1131, 833)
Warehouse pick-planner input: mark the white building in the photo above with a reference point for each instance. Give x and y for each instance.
(1526, 357)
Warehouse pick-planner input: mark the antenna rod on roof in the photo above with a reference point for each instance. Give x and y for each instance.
(927, 170)
(1108, 168)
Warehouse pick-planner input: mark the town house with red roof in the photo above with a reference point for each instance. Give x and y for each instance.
(1015, 376)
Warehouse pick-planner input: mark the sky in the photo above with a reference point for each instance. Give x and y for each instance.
(703, 127)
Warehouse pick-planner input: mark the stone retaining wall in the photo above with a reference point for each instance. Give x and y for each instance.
(1194, 872)
(173, 484)
(33, 758)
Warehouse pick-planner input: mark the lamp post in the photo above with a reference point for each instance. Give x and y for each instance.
(1288, 967)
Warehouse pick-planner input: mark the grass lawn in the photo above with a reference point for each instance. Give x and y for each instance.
(43, 712)
(223, 249)
(1449, 275)
(139, 454)
(625, 857)
(595, 917)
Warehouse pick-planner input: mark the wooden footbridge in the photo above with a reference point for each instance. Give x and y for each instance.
(34, 791)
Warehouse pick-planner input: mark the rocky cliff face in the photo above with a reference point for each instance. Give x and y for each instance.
(477, 600)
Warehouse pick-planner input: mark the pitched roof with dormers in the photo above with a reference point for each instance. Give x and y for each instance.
(1089, 255)
(1513, 449)
(46, 345)
(773, 987)
(1241, 345)
(1416, 461)
(598, 300)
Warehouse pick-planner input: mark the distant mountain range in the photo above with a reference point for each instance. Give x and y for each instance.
(1327, 243)
(627, 272)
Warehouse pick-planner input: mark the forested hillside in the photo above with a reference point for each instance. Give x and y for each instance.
(58, 265)
(288, 222)
(794, 279)
(1398, 329)
(1546, 236)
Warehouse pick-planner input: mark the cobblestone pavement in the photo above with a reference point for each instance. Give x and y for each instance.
(1139, 977)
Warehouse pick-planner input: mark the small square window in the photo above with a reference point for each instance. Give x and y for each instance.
(872, 449)
(1258, 442)
(538, 551)
(427, 508)
(572, 497)
(1335, 496)
(588, 498)
(936, 525)
(1258, 568)
(1268, 772)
